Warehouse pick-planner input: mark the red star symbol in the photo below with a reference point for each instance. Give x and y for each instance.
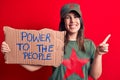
(71, 6)
(74, 65)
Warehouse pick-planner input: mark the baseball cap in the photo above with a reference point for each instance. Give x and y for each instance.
(70, 7)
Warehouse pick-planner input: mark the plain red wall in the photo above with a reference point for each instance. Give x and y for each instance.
(101, 17)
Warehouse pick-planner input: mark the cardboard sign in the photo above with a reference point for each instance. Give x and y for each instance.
(38, 47)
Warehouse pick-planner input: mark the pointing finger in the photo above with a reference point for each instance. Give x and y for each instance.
(106, 39)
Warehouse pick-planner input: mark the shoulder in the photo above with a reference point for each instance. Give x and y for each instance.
(89, 46)
(89, 43)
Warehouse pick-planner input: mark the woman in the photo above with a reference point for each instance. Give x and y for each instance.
(81, 57)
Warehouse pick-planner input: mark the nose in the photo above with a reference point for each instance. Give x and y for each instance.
(72, 19)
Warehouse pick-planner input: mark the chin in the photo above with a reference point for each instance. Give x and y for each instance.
(73, 32)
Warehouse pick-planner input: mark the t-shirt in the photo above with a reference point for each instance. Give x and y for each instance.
(76, 63)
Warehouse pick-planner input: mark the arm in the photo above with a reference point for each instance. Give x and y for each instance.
(32, 67)
(96, 67)
(5, 49)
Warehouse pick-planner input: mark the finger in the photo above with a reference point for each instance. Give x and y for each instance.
(106, 39)
(5, 48)
(104, 44)
(3, 42)
(105, 50)
(5, 45)
(4, 51)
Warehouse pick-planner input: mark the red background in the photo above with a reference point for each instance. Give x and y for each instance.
(101, 17)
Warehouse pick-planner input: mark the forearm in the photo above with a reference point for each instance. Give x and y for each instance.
(96, 67)
(31, 67)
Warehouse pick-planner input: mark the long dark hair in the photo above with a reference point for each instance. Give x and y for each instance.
(80, 35)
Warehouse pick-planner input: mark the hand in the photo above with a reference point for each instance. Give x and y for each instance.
(5, 48)
(103, 47)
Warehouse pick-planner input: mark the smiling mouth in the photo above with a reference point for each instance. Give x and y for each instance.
(72, 26)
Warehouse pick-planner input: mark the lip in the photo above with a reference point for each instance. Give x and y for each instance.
(72, 26)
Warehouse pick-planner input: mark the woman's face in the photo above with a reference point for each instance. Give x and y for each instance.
(72, 22)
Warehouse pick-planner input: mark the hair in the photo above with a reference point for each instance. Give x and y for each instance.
(80, 35)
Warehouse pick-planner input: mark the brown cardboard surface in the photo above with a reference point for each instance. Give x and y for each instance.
(37, 47)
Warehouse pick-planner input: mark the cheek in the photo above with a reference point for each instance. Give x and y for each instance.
(78, 21)
(79, 26)
(67, 20)
(66, 27)
(66, 23)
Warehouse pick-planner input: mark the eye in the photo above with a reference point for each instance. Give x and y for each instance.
(67, 17)
(76, 16)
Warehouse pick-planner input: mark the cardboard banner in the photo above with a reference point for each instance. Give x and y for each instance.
(37, 47)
